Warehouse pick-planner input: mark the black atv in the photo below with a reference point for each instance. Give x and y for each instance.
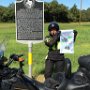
(79, 80)
(15, 79)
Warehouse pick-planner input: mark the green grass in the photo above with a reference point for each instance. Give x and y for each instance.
(82, 45)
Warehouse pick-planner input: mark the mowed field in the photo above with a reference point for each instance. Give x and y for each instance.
(82, 45)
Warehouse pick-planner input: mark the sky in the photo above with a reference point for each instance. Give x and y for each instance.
(68, 3)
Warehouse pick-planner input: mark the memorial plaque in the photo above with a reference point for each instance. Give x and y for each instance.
(29, 20)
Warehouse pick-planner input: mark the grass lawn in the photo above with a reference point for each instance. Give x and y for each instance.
(82, 45)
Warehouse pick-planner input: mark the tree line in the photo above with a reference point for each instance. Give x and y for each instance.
(53, 11)
(7, 14)
(61, 13)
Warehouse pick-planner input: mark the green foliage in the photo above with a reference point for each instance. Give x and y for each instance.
(53, 11)
(88, 14)
(12, 6)
(59, 12)
(75, 13)
(7, 14)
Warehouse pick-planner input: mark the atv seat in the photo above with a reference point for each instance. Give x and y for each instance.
(84, 61)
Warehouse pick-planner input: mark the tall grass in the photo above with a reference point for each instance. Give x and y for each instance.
(82, 45)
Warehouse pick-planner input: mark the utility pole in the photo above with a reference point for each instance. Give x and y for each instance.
(80, 19)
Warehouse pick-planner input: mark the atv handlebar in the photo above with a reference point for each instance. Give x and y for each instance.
(13, 57)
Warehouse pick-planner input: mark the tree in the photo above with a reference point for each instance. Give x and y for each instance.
(46, 12)
(2, 11)
(88, 14)
(11, 12)
(62, 13)
(84, 16)
(11, 6)
(53, 9)
(75, 13)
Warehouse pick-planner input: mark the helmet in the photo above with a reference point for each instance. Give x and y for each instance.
(53, 25)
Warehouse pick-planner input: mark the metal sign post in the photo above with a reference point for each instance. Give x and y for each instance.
(30, 58)
(29, 16)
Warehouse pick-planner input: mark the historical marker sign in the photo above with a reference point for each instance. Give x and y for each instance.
(29, 20)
